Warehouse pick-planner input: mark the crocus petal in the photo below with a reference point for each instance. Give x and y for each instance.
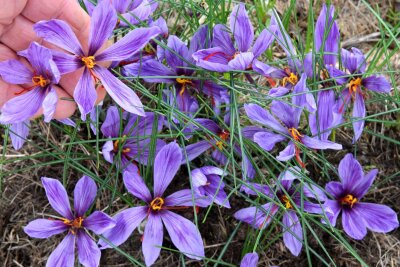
(293, 234)
(241, 61)
(102, 24)
(14, 72)
(260, 115)
(377, 83)
(166, 165)
(149, 69)
(353, 61)
(209, 125)
(326, 101)
(350, 172)
(199, 40)
(241, 27)
(184, 235)
(195, 150)
(22, 107)
(249, 260)
(219, 157)
(257, 189)
(138, 14)
(302, 97)
(88, 252)
(340, 77)
(353, 225)
(267, 140)
(126, 222)
(268, 71)
(63, 255)
(66, 62)
(358, 113)
(256, 217)
(44, 228)
(315, 143)
(263, 41)
(152, 238)
(286, 113)
(222, 39)
(174, 57)
(111, 124)
(129, 45)
(125, 97)
(18, 133)
(57, 197)
(287, 153)
(278, 91)
(84, 195)
(89, 6)
(378, 218)
(214, 59)
(85, 94)
(136, 186)
(335, 189)
(364, 184)
(49, 105)
(99, 222)
(108, 151)
(185, 197)
(332, 210)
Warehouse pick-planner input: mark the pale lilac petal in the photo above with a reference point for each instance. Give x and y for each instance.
(142, 150)
(49, 105)
(257, 189)
(66, 62)
(364, 184)
(108, 151)
(185, 197)
(129, 45)
(138, 14)
(136, 186)
(257, 217)
(353, 224)
(44, 228)
(332, 210)
(302, 97)
(287, 153)
(111, 124)
(152, 238)
(102, 24)
(267, 140)
(250, 131)
(195, 150)
(125, 97)
(241, 28)
(84, 194)
(174, 57)
(222, 39)
(377, 83)
(335, 189)
(262, 116)
(268, 71)
(214, 59)
(89, 6)
(340, 77)
(59, 33)
(184, 235)
(19, 133)
(249, 260)
(378, 218)
(292, 232)
(286, 113)
(263, 41)
(353, 61)
(14, 72)
(219, 157)
(278, 91)
(99, 222)
(57, 197)
(209, 125)
(85, 94)
(126, 223)
(200, 40)
(88, 252)
(326, 101)
(31, 101)
(315, 143)
(358, 113)
(64, 254)
(149, 68)
(350, 172)
(241, 61)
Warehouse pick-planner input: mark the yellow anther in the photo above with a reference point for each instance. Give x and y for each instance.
(74, 224)
(148, 49)
(354, 84)
(291, 79)
(116, 144)
(40, 81)
(295, 134)
(349, 200)
(157, 203)
(89, 61)
(285, 201)
(224, 135)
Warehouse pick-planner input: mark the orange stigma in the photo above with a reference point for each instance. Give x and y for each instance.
(116, 145)
(285, 201)
(354, 84)
(291, 79)
(224, 135)
(89, 61)
(348, 200)
(40, 81)
(295, 134)
(74, 224)
(184, 82)
(157, 204)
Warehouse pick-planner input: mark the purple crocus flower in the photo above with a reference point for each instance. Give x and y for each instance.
(40, 93)
(104, 19)
(207, 184)
(249, 260)
(76, 223)
(355, 63)
(226, 55)
(134, 144)
(158, 210)
(276, 132)
(357, 216)
(288, 195)
(18, 133)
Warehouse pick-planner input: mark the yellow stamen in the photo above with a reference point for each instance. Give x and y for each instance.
(324, 74)
(184, 82)
(116, 144)
(285, 201)
(89, 61)
(40, 81)
(74, 224)
(291, 79)
(224, 136)
(149, 49)
(354, 84)
(348, 200)
(157, 203)
(295, 134)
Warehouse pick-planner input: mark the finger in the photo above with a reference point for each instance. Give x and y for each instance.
(9, 10)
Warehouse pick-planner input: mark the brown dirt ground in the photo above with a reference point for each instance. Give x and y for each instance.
(23, 198)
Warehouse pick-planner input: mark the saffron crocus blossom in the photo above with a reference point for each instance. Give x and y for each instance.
(326, 41)
(76, 222)
(18, 133)
(277, 132)
(158, 211)
(134, 144)
(207, 183)
(249, 260)
(355, 63)
(357, 216)
(226, 55)
(288, 195)
(104, 19)
(40, 80)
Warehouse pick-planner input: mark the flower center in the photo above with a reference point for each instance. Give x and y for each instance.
(183, 82)
(74, 224)
(324, 74)
(224, 135)
(116, 146)
(354, 84)
(348, 200)
(157, 203)
(148, 49)
(292, 78)
(285, 201)
(89, 62)
(295, 134)
(40, 81)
